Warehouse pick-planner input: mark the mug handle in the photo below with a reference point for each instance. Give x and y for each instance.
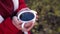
(25, 32)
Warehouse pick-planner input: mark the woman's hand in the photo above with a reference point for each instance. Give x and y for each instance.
(18, 24)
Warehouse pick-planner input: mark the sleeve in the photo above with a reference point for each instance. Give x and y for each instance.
(1, 32)
(29, 32)
(7, 27)
(22, 4)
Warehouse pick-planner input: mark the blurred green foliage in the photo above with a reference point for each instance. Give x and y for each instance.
(49, 16)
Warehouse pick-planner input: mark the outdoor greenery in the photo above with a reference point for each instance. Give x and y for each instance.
(49, 16)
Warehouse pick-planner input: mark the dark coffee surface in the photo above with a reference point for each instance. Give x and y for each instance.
(27, 16)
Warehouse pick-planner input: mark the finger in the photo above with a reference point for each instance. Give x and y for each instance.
(16, 20)
(29, 26)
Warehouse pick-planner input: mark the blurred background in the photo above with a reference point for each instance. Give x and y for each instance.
(49, 16)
